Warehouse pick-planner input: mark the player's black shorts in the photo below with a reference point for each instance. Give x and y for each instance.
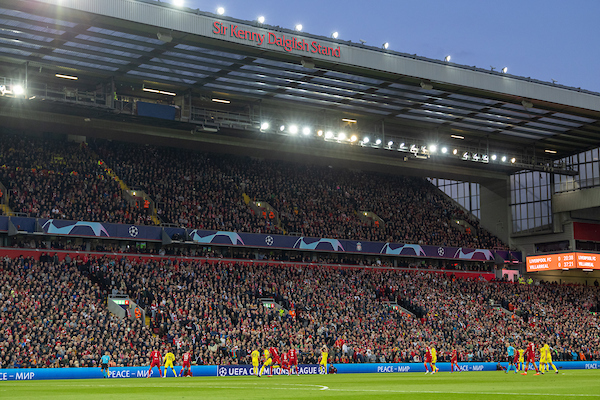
(104, 366)
(510, 359)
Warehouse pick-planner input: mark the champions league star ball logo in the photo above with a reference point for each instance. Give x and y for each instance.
(133, 231)
(269, 240)
(441, 251)
(222, 371)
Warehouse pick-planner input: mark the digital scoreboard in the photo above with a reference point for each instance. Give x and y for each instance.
(563, 261)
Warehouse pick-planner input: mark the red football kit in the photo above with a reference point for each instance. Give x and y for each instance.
(285, 362)
(156, 358)
(274, 356)
(293, 356)
(186, 360)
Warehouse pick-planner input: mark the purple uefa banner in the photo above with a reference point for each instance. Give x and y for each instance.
(155, 233)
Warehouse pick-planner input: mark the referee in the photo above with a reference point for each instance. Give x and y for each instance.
(104, 360)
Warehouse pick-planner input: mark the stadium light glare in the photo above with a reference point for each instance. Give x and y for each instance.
(366, 140)
(220, 11)
(390, 143)
(550, 151)
(378, 141)
(455, 151)
(320, 132)
(513, 160)
(293, 129)
(264, 126)
(494, 157)
(329, 135)
(221, 101)
(282, 128)
(353, 138)
(306, 131)
(457, 137)
(18, 90)
(342, 136)
(432, 148)
(444, 150)
(503, 158)
(335, 35)
(261, 20)
(447, 58)
(298, 27)
(401, 145)
(178, 3)
(504, 70)
(385, 45)
(73, 78)
(349, 120)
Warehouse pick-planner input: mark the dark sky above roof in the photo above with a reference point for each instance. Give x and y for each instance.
(542, 39)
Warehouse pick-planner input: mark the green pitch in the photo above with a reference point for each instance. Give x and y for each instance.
(576, 384)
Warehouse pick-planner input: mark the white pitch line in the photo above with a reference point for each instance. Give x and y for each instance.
(479, 393)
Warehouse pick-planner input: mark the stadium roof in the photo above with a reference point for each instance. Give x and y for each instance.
(151, 42)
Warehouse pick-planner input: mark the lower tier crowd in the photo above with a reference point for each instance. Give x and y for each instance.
(54, 313)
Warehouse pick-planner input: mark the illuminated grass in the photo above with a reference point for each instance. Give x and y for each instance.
(575, 384)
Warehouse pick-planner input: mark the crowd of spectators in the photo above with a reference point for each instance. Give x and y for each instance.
(189, 188)
(63, 180)
(205, 191)
(67, 180)
(51, 309)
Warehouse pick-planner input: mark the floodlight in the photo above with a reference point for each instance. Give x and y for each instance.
(341, 136)
(366, 140)
(455, 151)
(264, 126)
(447, 58)
(282, 128)
(299, 27)
(320, 132)
(328, 135)
(73, 78)
(513, 160)
(261, 20)
(503, 158)
(504, 70)
(494, 157)
(178, 3)
(385, 45)
(378, 141)
(306, 131)
(335, 35)
(390, 143)
(18, 90)
(293, 129)
(353, 138)
(220, 11)
(444, 150)
(433, 148)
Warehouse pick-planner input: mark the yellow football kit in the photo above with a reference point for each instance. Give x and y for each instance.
(267, 362)
(323, 363)
(169, 358)
(255, 361)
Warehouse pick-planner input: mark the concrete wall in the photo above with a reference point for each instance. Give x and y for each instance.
(527, 243)
(576, 200)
